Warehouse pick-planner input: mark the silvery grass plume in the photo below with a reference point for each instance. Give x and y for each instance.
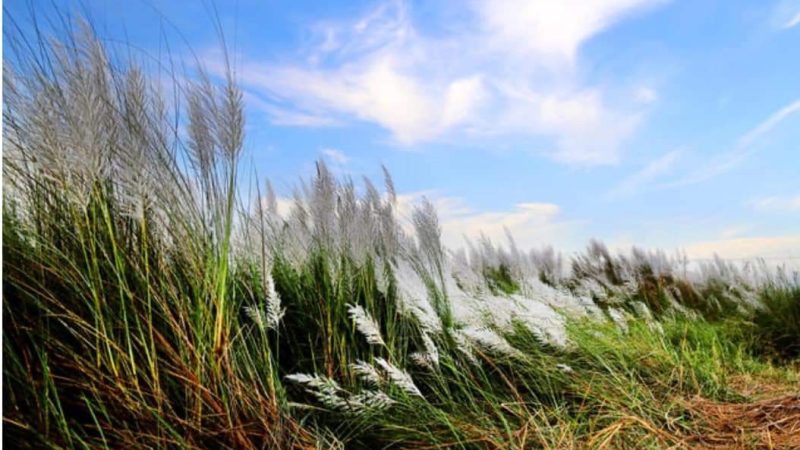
(429, 241)
(564, 368)
(490, 340)
(371, 401)
(430, 357)
(399, 377)
(328, 392)
(464, 345)
(366, 325)
(79, 119)
(367, 372)
(269, 317)
(413, 297)
(325, 389)
(618, 317)
(642, 311)
(331, 213)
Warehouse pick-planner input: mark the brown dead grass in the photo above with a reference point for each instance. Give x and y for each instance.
(762, 386)
(765, 424)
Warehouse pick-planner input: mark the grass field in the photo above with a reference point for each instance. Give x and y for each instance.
(149, 303)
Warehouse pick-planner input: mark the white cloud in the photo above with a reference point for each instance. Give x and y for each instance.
(776, 204)
(375, 91)
(462, 99)
(335, 155)
(531, 224)
(646, 175)
(586, 132)
(551, 29)
(508, 70)
(776, 249)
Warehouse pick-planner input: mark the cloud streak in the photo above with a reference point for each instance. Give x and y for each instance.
(793, 21)
(776, 204)
(745, 146)
(645, 176)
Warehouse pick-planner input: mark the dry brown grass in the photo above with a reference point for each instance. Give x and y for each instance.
(761, 386)
(764, 424)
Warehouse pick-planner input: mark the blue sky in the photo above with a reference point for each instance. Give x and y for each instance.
(651, 122)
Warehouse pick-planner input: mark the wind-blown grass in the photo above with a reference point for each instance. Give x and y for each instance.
(147, 306)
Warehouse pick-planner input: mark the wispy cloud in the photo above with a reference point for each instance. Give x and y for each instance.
(646, 175)
(734, 231)
(784, 248)
(776, 204)
(289, 117)
(744, 147)
(645, 95)
(793, 21)
(771, 122)
(335, 155)
(532, 224)
(786, 14)
(509, 69)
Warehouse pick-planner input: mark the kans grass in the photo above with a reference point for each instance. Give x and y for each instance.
(152, 298)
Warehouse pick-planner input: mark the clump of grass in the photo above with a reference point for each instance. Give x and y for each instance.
(777, 321)
(500, 280)
(120, 299)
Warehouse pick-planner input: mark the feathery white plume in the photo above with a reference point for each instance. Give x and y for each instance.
(330, 394)
(366, 372)
(464, 345)
(315, 381)
(270, 316)
(370, 401)
(325, 389)
(257, 316)
(274, 311)
(366, 324)
(399, 377)
(564, 368)
(618, 317)
(491, 341)
(430, 357)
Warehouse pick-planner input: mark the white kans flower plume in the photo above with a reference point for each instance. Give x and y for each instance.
(464, 345)
(430, 357)
(491, 341)
(399, 377)
(564, 368)
(330, 394)
(325, 389)
(370, 401)
(270, 316)
(315, 381)
(366, 325)
(274, 311)
(367, 372)
(618, 317)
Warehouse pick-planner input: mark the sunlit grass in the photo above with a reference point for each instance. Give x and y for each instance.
(146, 306)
